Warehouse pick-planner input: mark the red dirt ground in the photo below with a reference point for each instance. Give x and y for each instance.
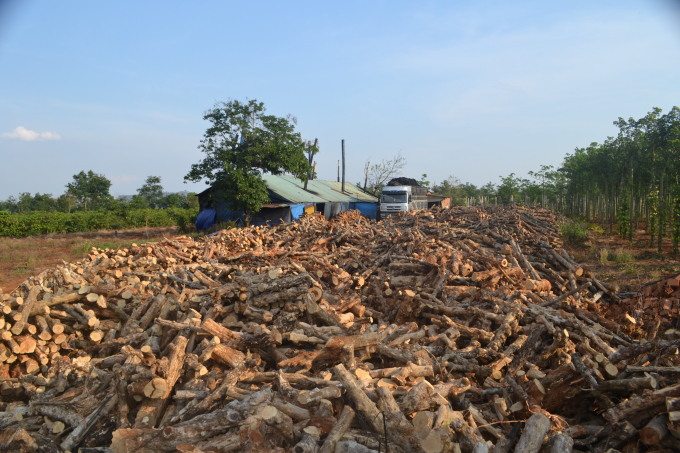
(630, 266)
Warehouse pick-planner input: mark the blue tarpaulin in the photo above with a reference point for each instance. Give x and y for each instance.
(273, 216)
(205, 219)
(297, 210)
(226, 215)
(367, 209)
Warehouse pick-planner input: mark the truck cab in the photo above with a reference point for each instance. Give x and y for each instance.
(396, 199)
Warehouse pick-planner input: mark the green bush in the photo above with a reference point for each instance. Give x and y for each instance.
(629, 269)
(186, 222)
(596, 228)
(37, 223)
(574, 232)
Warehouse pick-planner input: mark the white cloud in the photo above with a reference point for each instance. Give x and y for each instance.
(28, 135)
(124, 179)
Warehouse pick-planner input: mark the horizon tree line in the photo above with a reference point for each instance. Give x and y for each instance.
(89, 191)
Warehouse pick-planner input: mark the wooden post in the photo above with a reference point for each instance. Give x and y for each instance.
(343, 165)
(368, 165)
(311, 153)
(309, 161)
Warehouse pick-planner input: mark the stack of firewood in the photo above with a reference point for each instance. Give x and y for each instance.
(657, 305)
(460, 330)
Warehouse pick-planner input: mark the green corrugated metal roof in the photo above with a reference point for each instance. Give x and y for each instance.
(318, 191)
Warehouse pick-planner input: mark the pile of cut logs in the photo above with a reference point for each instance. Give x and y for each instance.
(460, 330)
(656, 306)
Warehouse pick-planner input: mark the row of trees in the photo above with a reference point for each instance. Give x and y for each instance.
(630, 181)
(540, 188)
(630, 177)
(90, 192)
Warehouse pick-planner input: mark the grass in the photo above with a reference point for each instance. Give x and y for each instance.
(670, 269)
(620, 256)
(596, 228)
(603, 255)
(630, 269)
(623, 256)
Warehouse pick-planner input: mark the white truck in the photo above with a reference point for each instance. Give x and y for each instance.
(395, 199)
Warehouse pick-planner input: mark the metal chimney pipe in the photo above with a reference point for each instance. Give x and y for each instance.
(343, 165)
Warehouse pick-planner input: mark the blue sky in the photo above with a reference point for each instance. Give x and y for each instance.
(471, 89)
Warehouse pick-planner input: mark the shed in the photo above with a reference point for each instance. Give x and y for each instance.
(438, 200)
(289, 201)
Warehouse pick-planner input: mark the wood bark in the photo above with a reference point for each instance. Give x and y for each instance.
(361, 402)
(535, 429)
(399, 429)
(338, 430)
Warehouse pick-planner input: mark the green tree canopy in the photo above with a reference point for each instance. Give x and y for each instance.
(451, 187)
(90, 189)
(424, 182)
(152, 191)
(66, 202)
(240, 145)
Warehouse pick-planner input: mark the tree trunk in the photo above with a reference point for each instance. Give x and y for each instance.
(661, 212)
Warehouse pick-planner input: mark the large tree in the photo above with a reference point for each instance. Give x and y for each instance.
(240, 145)
(90, 189)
